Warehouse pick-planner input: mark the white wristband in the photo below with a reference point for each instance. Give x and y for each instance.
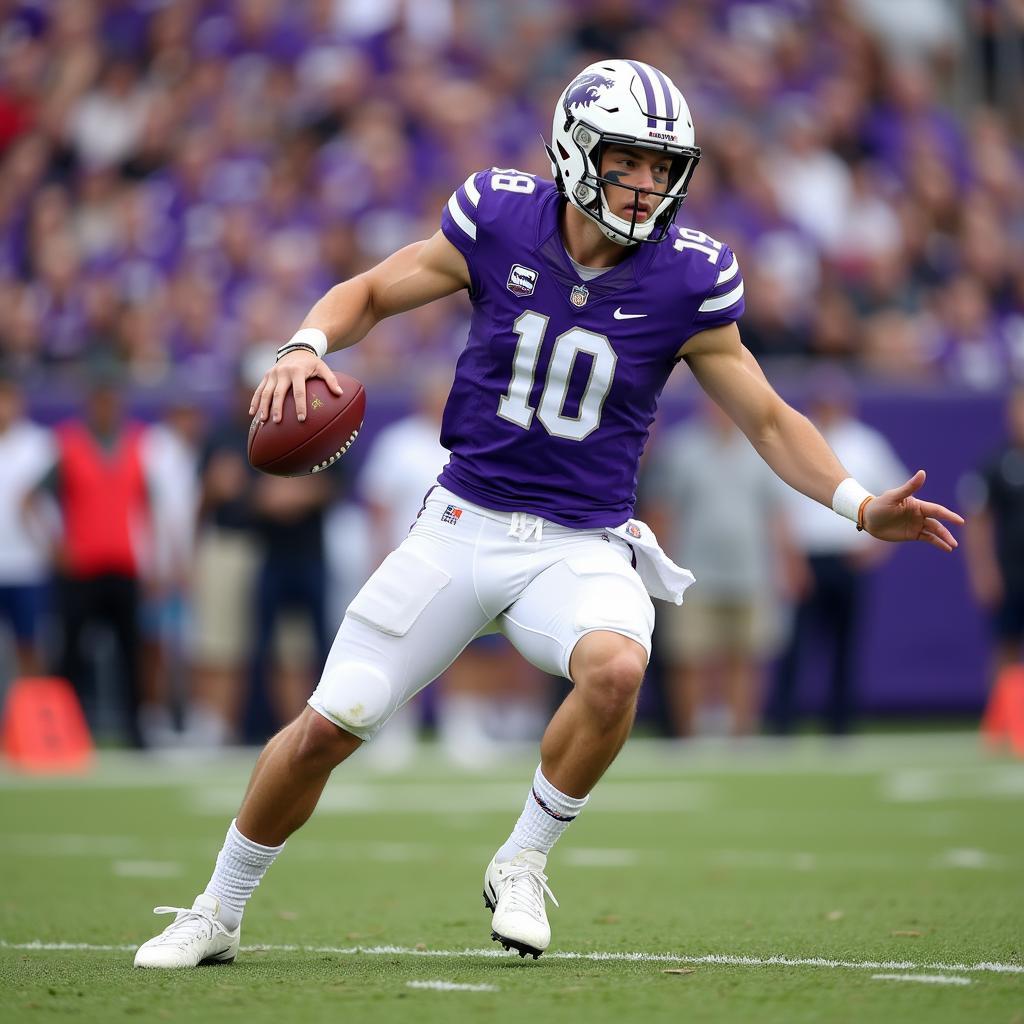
(848, 498)
(310, 337)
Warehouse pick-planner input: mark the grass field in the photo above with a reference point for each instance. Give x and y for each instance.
(879, 881)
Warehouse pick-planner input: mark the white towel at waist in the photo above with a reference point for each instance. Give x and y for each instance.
(660, 575)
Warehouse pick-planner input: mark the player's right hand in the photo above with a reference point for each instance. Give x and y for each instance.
(896, 515)
(290, 372)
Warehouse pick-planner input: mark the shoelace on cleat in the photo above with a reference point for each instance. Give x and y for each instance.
(529, 897)
(187, 917)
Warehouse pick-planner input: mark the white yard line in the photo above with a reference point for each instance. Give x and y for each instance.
(927, 979)
(70, 845)
(968, 857)
(469, 797)
(129, 852)
(133, 850)
(146, 868)
(722, 959)
(451, 986)
(961, 782)
(582, 857)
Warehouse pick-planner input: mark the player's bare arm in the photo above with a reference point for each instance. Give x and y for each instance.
(412, 277)
(795, 449)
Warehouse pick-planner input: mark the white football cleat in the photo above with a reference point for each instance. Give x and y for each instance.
(195, 937)
(514, 890)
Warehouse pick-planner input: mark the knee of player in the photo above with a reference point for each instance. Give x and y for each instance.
(356, 695)
(321, 742)
(610, 679)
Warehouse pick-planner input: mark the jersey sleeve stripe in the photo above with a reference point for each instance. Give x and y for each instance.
(729, 273)
(472, 192)
(460, 218)
(723, 301)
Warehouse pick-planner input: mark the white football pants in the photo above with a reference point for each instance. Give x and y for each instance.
(464, 571)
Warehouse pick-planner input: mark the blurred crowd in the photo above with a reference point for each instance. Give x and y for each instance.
(180, 179)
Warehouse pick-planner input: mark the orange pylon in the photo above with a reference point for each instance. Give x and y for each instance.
(44, 729)
(1002, 725)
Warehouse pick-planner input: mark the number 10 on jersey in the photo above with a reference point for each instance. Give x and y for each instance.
(515, 403)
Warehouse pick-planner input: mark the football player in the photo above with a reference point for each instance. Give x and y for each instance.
(585, 295)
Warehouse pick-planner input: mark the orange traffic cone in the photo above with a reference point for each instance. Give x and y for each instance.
(44, 729)
(1003, 721)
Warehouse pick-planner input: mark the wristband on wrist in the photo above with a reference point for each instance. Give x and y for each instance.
(285, 349)
(860, 512)
(850, 500)
(311, 338)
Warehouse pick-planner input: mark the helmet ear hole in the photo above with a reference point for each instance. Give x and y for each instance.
(562, 152)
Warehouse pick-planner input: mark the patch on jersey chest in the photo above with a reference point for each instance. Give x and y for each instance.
(579, 295)
(521, 280)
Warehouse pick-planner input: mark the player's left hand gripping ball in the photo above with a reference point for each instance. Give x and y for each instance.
(291, 448)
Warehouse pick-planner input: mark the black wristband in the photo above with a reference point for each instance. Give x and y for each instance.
(292, 346)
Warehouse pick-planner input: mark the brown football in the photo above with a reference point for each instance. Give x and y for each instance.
(291, 448)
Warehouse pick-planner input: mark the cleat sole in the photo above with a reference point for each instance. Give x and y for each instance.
(521, 948)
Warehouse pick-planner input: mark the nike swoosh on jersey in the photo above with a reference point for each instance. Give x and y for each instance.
(619, 315)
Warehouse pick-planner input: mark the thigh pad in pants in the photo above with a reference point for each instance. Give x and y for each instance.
(407, 624)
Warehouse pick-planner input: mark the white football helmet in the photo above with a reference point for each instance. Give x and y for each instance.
(627, 103)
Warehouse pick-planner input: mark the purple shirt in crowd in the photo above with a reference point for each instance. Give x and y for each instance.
(556, 389)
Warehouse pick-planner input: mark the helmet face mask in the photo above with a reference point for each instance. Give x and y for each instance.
(624, 104)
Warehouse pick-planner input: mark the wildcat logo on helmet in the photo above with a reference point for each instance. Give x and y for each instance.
(586, 89)
(521, 280)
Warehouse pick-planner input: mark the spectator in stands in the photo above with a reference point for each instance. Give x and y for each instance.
(828, 610)
(26, 457)
(994, 499)
(205, 140)
(971, 349)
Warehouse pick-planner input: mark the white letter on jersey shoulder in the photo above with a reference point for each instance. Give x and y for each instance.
(693, 239)
(508, 179)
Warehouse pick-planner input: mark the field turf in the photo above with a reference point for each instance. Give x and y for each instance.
(878, 881)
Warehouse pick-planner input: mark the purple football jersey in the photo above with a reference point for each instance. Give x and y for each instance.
(556, 389)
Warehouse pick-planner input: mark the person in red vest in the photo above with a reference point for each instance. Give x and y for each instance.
(100, 487)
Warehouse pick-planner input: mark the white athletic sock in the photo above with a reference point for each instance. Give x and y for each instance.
(241, 864)
(547, 814)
